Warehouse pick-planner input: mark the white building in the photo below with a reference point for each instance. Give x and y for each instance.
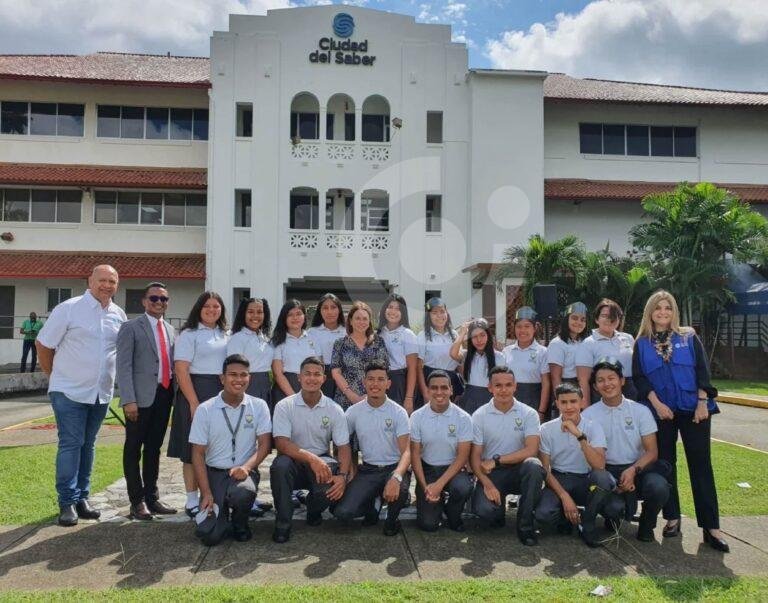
(342, 149)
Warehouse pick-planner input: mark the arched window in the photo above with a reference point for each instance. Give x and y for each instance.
(374, 210)
(339, 209)
(305, 117)
(375, 119)
(305, 209)
(340, 118)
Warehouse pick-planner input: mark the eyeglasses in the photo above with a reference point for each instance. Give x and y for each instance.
(158, 298)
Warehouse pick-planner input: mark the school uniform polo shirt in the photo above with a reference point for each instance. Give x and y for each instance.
(310, 427)
(528, 364)
(598, 346)
(84, 335)
(209, 428)
(324, 338)
(624, 426)
(439, 433)
(255, 347)
(435, 352)
(478, 370)
(503, 432)
(564, 450)
(204, 348)
(294, 350)
(377, 430)
(400, 342)
(564, 354)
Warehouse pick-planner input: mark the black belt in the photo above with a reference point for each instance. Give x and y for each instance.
(215, 469)
(428, 466)
(568, 473)
(380, 467)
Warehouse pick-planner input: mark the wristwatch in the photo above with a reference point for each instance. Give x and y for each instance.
(582, 437)
(397, 476)
(497, 460)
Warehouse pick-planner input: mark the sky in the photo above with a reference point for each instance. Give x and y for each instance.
(707, 43)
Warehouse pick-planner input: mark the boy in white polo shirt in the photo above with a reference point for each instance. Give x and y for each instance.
(231, 435)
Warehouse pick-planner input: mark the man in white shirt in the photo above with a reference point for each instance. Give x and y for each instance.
(77, 348)
(231, 435)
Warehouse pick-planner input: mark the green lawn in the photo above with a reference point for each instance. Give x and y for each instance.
(542, 589)
(28, 493)
(109, 420)
(756, 388)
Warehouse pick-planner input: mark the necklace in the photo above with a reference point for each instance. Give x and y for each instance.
(662, 345)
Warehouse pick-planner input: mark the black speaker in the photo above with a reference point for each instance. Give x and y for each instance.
(545, 301)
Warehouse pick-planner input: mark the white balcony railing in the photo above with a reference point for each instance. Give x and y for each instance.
(371, 152)
(340, 151)
(339, 241)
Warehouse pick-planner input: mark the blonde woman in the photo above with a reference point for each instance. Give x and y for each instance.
(672, 377)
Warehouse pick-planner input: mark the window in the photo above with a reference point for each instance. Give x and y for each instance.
(70, 119)
(151, 123)
(430, 293)
(143, 207)
(244, 120)
(349, 126)
(434, 211)
(637, 140)
(339, 210)
(305, 126)
(243, 208)
(435, 127)
(14, 117)
(43, 119)
(239, 294)
(40, 205)
(52, 119)
(374, 211)
(133, 298)
(304, 211)
(56, 296)
(376, 128)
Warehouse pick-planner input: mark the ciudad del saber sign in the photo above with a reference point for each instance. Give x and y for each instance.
(342, 52)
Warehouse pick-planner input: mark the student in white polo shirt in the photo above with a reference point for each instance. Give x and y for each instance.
(572, 451)
(441, 437)
(402, 349)
(504, 456)
(327, 327)
(382, 430)
(231, 435)
(304, 426)
(632, 453)
(77, 348)
(292, 344)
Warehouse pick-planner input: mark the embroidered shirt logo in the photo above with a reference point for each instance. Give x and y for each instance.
(248, 422)
(628, 422)
(451, 430)
(325, 422)
(518, 424)
(387, 424)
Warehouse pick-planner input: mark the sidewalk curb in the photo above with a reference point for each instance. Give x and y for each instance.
(741, 400)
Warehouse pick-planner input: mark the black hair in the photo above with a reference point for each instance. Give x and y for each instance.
(235, 359)
(568, 388)
(565, 330)
(152, 285)
(490, 357)
(610, 364)
(281, 329)
(501, 369)
(438, 374)
(317, 319)
(376, 365)
(432, 303)
(311, 360)
(193, 320)
(394, 297)
(239, 322)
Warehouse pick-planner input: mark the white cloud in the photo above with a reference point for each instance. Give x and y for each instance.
(707, 43)
(454, 10)
(155, 26)
(461, 37)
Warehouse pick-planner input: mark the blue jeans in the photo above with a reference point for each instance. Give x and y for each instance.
(78, 425)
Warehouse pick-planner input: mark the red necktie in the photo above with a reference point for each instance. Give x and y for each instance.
(165, 365)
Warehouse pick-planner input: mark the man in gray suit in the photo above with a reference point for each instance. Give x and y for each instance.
(144, 375)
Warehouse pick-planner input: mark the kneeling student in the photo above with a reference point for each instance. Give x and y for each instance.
(382, 430)
(304, 426)
(441, 436)
(572, 451)
(231, 435)
(504, 458)
(632, 453)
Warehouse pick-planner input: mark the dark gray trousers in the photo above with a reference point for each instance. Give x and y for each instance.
(651, 486)
(234, 499)
(589, 490)
(525, 479)
(455, 495)
(287, 475)
(360, 496)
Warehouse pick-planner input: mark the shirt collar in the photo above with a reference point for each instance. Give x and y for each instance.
(338, 328)
(300, 400)
(534, 346)
(377, 408)
(92, 301)
(448, 411)
(596, 334)
(302, 336)
(496, 411)
(219, 403)
(386, 329)
(152, 320)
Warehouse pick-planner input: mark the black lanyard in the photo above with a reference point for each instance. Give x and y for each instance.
(235, 430)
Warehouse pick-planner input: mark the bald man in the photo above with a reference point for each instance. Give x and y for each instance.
(77, 348)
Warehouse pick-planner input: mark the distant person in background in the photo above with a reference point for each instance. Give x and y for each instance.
(29, 329)
(77, 347)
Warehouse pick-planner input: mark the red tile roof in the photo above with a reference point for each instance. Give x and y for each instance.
(559, 86)
(110, 68)
(567, 189)
(103, 175)
(54, 264)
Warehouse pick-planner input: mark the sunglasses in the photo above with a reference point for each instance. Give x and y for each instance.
(158, 298)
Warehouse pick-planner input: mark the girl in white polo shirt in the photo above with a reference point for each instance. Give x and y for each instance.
(250, 337)
(292, 345)
(402, 349)
(327, 327)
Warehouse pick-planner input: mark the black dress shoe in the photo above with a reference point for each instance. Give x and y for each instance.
(528, 538)
(645, 534)
(159, 508)
(281, 535)
(391, 528)
(371, 518)
(140, 512)
(672, 531)
(242, 533)
(456, 527)
(589, 537)
(314, 519)
(85, 510)
(612, 525)
(716, 543)
(67, 516)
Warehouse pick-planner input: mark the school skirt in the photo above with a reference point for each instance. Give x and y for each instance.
(329, 386)
(206, 387)
(277, 393)
(529, 394)
(457, 384)
(260, 386)
(396, 391)
(474, 397)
